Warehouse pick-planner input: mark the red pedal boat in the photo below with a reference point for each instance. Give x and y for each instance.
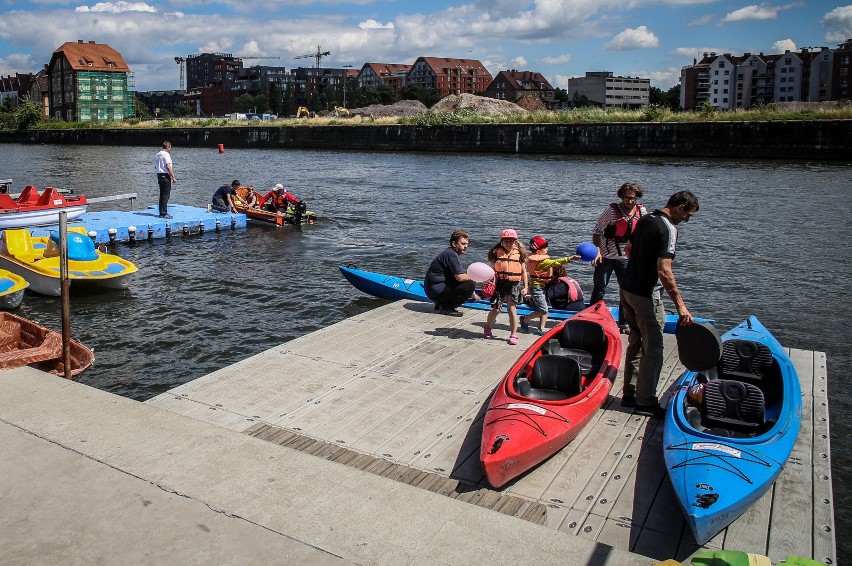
(34, 209)
(550, 394)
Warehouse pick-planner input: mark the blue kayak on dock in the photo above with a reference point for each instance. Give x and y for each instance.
(729, 431)
(397, 288)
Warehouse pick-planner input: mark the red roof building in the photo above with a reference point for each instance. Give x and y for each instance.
(514, 85)
(89, 82)
(448, 76)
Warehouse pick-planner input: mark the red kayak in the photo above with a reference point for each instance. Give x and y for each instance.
(550, 394)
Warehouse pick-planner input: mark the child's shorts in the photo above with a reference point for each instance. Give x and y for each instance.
(537, 299)
(505, 290)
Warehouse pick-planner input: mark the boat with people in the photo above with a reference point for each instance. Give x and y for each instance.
(12, 289)
(295, 215)
(32, 208)
(36, 259)
(550, 393)
(730, 426)
(27, 343)
(396, 288)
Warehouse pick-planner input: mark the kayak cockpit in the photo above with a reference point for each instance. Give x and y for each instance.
(566, 364)
(742, 396)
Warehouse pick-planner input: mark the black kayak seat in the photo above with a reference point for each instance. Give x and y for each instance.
(553, 378)
(734, 405)
(582, 340)
(752, 362)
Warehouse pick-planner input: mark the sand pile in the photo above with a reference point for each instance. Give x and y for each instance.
(479, 105)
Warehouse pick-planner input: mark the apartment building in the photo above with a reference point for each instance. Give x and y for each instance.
(604, 89)
(378, 74)
(89, 82)
(729, 82)
(448, 76)
(512, 85)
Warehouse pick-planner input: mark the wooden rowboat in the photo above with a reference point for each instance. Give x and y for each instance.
(294, 216)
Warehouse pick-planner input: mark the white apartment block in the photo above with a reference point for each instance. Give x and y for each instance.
(603, 89)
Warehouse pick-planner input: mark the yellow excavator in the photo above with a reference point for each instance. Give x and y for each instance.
(303, 112)
(340, 112)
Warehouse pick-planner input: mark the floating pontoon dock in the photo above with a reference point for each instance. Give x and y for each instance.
(145, 224)
(400, 392)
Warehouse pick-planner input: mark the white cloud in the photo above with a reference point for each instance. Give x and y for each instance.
(783, 45)
(561, 81)
(119, 7)
(556, 59)
(519, 61)
(373, 24)
(700, 21)
(839, 22)
(633, 38)
(753, 12)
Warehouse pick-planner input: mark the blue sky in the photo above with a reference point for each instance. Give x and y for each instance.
(559, 38)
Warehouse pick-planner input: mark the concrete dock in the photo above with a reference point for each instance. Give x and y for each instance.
(359, 443)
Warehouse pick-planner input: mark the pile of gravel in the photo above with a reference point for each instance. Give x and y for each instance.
(479, 105)
(401, 108)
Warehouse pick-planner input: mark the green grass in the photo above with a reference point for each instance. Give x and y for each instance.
(832, 111)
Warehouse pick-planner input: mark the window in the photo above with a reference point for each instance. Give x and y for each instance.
(726, 81)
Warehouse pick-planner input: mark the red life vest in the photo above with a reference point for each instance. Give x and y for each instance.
(575, 292)
(623, 227)
(508, 265)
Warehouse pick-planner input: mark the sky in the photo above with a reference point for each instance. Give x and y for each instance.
(558, 38)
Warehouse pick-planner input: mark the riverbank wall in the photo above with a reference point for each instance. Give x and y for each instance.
(784, 140)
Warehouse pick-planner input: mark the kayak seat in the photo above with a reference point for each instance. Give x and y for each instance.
(734, 405)
(553, 378)
(582, 340)
(751, 362)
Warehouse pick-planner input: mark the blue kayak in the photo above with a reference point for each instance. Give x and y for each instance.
(396, 288)
(728, 432)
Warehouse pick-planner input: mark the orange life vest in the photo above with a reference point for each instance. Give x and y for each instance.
(543, 276)
(508, 266)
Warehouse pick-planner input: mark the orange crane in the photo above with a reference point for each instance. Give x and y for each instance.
(318, 55)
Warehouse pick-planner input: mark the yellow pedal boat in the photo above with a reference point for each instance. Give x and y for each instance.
(36, 259)
(11, 289)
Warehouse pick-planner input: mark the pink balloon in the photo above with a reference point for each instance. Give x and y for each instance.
(480, 272)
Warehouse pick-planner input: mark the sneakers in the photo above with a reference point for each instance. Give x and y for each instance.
(167, 216)
(537, 331)
(513, 340)
(624, 328)
(487, 334)
(654, 411)
(524, 326)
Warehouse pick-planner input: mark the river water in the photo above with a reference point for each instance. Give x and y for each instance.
(770, 239)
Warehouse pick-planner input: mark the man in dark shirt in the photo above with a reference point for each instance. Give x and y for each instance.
(446, 282)
(223, 198)
(651, 250)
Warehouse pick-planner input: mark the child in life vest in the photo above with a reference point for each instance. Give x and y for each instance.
(540, 267)
(509, 259)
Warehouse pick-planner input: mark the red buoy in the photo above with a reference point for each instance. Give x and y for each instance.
(221, 148)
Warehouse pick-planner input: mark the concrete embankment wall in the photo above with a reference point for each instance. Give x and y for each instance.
(786, 140)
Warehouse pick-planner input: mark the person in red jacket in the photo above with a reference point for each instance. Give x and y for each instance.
(277, 199)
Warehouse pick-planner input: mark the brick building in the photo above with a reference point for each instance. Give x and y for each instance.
(513, 85)
(448, 76)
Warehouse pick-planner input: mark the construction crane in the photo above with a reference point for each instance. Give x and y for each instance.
(180, 61)
(254, 57)
(318, 55)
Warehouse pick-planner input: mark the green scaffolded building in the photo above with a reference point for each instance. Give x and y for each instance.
(89, 82)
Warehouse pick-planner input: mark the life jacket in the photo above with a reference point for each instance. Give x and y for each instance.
(543, 276)
(572, 292)
(280, 201)
(621, 230)
(508, 266)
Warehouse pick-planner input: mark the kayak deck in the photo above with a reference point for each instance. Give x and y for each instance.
(404, 396)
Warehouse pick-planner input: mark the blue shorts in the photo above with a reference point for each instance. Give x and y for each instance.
(537, 300)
